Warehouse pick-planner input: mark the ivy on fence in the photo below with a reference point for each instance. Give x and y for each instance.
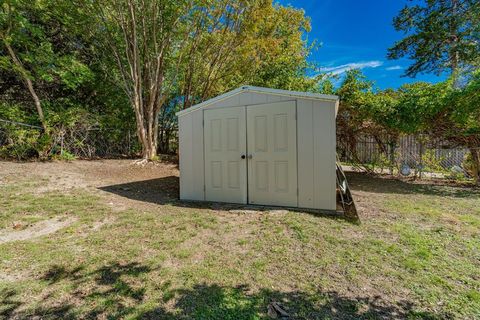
(421, 154)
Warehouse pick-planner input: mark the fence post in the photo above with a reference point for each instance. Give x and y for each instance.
(61, 142)
(392, 146)
(129, 148)
(421, 159)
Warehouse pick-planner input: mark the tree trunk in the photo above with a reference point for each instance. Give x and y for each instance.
(454, 51)
(28, 82)
(147, 128)
(476, 165)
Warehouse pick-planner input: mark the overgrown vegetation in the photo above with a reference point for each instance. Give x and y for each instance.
(431, 112)
(105, 68)
(440, 37)
(105, 77)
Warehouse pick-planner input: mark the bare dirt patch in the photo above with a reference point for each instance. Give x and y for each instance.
(36, 230)
(122, 183)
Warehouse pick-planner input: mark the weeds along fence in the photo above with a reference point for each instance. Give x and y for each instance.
(22, 141)
(419, 154)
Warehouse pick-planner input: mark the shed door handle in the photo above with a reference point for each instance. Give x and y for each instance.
(243, 156)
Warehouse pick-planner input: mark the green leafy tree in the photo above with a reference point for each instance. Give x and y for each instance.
(142, 37)
(238, 42)
(13, 23)
(258, 43)
(281, 49)
(418, 105)
(163, 50)
(352, 118)
(441, 35)
(35, 47)
(459, 121)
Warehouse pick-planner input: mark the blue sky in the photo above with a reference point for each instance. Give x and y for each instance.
(357, 33)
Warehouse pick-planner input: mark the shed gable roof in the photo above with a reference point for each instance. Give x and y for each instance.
(278, 92)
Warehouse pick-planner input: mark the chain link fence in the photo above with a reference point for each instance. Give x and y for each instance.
(83, 140)
(409, 155)
(22, 141)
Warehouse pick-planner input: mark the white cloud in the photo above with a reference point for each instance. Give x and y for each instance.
(393, 68)
(354, 65)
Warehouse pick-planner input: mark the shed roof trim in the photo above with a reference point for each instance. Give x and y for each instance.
(288, 93)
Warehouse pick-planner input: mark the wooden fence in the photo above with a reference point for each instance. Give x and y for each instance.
(409, 149)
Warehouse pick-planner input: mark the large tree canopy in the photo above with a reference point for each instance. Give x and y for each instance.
(440, 35)
(188, 51)
(151, 57)
(124, 66)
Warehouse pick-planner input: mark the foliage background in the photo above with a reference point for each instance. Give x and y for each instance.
(64, 49)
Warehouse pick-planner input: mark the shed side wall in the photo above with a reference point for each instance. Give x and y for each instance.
(185, 155)
(325, 154)
(305, 153)
(191, 156)
(316, 154)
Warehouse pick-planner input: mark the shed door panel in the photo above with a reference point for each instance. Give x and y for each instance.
(225, 143)
(272, 149)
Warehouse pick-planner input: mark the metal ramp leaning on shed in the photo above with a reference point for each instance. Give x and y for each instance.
(345, 196)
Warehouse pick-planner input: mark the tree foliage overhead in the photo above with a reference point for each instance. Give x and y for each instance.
(132, 62)
(40, 50)
(257, 43)
(195, 49)
(93, 71)
(440, 35)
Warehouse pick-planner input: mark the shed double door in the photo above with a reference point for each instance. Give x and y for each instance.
(251, 154)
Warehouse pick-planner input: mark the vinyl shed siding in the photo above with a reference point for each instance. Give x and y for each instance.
(316, 154)
(315, 145)
(192, 175)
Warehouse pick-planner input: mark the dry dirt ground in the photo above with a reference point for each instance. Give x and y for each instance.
(122, 184)
(110, 239)
(144, 185)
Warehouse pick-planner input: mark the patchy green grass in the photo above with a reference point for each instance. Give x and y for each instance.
(19, 205)
(415, 255)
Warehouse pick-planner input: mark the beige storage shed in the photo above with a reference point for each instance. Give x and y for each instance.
(260, 146)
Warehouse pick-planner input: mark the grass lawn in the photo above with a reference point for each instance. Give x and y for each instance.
(131, 250)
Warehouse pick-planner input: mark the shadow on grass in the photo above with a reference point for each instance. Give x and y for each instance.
(109, 287)
(369, 183)
(216, 302)
(119, 290)
(165, 190)
(161, 191)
